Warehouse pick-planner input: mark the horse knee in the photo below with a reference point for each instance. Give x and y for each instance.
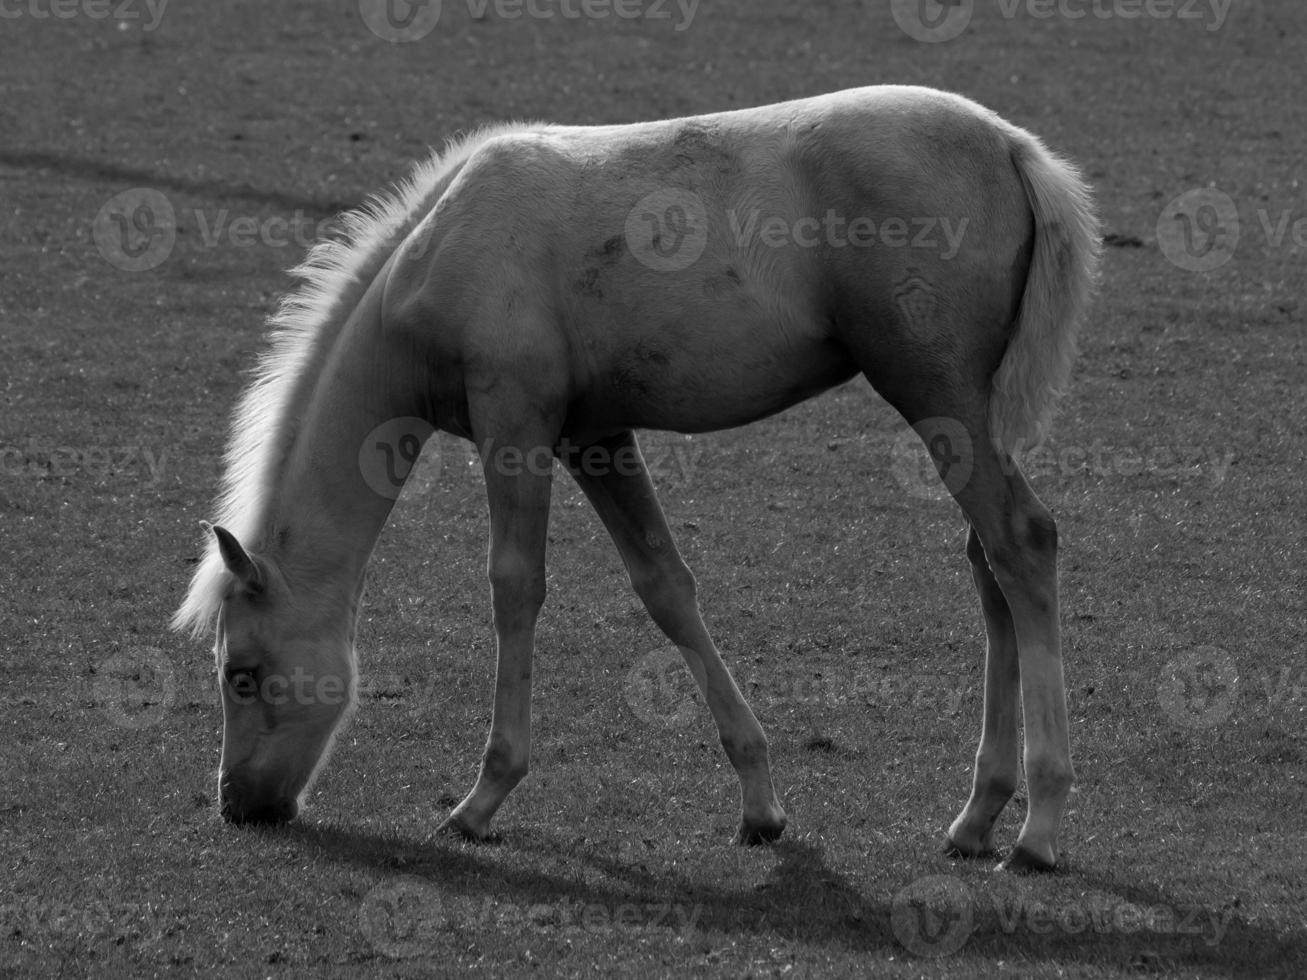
(517, 588)
(664, 589)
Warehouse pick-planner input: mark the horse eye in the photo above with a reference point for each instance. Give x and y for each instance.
(244, 686)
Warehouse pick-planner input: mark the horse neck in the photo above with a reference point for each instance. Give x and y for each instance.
(324, 515)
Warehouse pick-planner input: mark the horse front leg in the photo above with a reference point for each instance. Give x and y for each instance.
(519, 473)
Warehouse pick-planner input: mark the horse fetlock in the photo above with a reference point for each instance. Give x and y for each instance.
(461, 826)
(959, 842)
(502, 765)
(997, 773)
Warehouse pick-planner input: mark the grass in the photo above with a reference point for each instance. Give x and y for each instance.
(842, 601)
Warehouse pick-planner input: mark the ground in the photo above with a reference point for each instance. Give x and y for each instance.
(830, 570)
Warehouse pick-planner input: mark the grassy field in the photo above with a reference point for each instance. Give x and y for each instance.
(831, 573)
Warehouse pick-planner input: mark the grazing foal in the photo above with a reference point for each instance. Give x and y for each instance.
(541, 290)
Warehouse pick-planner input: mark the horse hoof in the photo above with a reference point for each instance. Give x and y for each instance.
(955, 850)
(750, 835)
(1024, 861)
(453, 827)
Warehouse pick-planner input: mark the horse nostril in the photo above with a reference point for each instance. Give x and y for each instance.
(271, 813)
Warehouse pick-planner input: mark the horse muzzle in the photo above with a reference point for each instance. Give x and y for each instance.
(241, 801)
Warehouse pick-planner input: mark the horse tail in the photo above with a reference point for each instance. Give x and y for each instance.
(1063, 271)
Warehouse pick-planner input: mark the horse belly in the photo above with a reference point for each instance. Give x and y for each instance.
(712, 372)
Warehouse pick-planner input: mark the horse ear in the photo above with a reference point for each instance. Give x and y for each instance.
(237, 559)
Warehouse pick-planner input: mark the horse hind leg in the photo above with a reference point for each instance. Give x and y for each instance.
(1013, 550)
(997, 759)
(940, 383)
(1019, 537)
(623, 495)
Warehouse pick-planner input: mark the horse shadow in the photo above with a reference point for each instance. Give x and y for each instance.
(1138, 927)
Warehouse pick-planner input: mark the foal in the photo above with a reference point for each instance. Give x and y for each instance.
(541, 290)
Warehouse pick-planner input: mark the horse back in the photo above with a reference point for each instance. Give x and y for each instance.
(701, 272)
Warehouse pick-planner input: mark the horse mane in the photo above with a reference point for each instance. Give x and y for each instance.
(301, 333)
